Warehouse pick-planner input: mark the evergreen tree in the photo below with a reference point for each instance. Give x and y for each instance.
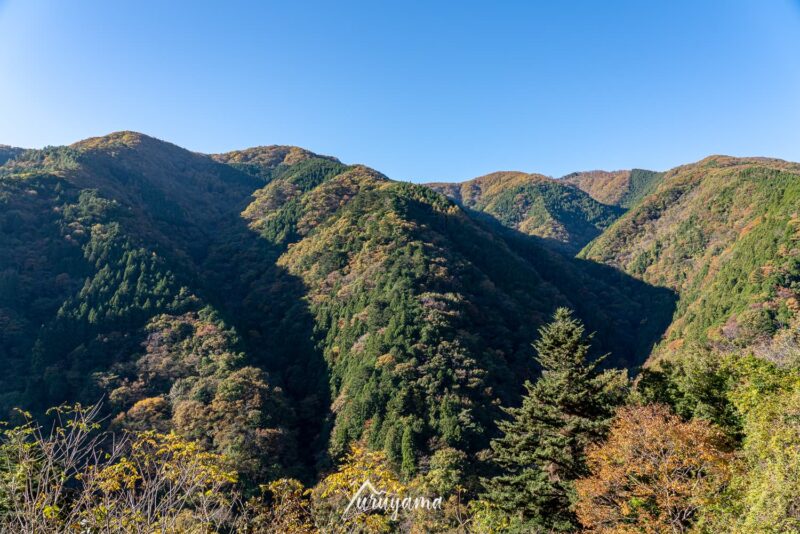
(541, 452)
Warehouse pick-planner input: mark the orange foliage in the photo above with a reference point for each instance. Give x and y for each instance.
(654, 474)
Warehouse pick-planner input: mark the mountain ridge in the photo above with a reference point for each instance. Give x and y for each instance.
(536, 205)
(9, 152)
(346, 307)
(341, 305)
(292, 313)
(720, 232)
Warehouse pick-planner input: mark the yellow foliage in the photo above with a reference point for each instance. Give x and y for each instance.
(654, 474)
(333, 493)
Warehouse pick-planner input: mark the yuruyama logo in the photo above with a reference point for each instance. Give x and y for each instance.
(369, 499)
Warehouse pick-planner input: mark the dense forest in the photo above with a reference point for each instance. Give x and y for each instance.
(536, 205)
(237, 342)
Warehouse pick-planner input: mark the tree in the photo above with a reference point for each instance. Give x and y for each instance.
(74, 478)
(655, 473)
(331, 496)
(695, 383)
(765, 487)
(541, 451)
(284, 508)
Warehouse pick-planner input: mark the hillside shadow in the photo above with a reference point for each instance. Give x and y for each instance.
(171, 221)
(235, 270)
(628, 315)
(268, 308)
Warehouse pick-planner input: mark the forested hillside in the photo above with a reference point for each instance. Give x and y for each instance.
(270, 319)
(723, 233)
(535, 205)
(8, 152)
(316, 283)
(619, 188)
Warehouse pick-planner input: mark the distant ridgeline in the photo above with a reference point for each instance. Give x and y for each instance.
(279, 306)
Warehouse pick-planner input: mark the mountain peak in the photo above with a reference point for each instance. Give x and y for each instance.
(269, 155)
(721, 160)
(125, 138)
(9, 152)
(535, 204)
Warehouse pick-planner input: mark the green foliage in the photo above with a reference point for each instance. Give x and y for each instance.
(193, 380)
(768, 481)
(389, 310)
(755, 403)
(8, 153)
(542, 450)
(281, 226)
(725, 237)
(696, 385)
(550, 210)
(38, 272)
(640, 184)
(239, 308)
(537, 206)
(32, 163)
(275, 307)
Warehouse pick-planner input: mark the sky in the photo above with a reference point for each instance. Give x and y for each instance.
(421, 91)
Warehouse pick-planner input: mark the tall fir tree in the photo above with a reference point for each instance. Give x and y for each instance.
(541, 452)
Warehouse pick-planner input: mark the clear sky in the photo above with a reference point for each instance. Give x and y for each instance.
(420, 91)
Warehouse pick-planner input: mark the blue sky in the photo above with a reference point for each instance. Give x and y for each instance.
(420, 91)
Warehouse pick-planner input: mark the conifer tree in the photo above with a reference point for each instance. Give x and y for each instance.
(541, 451)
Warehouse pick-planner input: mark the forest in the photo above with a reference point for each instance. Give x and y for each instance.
(236, 342)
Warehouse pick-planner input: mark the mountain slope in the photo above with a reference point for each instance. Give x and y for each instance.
(102, 295)
(535, 205)
(9, 152)
(278, 305)
(422, 315)
(723, 233)
(267, 161)
(617, 188)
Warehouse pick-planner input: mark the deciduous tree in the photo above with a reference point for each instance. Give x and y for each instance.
(654, 474)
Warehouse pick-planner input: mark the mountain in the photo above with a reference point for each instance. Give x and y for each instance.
(617, 188)
(277, 305)
(607, 187)
(303, 317)
(9, 152)
(723, 233)
(535, 205)
(267, 161)
(102, 295)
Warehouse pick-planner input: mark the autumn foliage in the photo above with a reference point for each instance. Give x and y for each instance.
(73, 478)
(653, 474)
(270, 328)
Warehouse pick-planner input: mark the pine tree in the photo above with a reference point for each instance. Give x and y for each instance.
(408, 466)
(542, 448)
